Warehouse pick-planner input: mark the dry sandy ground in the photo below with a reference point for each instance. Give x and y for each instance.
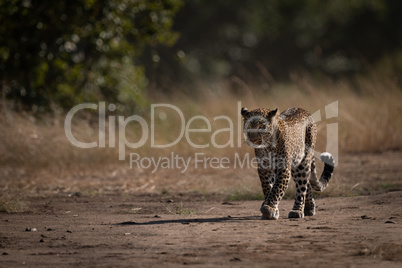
(196, 230)
(124, 228)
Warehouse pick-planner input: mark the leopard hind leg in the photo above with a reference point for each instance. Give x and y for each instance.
(301, 175)
(309, 204)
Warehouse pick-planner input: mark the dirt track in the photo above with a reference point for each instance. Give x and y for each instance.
(145, 231)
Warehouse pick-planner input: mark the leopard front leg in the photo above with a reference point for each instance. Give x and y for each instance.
(269, 207)
(267, 177)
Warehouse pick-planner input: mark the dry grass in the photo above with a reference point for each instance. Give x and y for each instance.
(37, 157)
(12, 203)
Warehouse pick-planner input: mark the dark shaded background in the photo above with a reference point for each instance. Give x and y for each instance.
(55, 54)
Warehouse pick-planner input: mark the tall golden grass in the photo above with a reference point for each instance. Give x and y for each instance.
(36, 155)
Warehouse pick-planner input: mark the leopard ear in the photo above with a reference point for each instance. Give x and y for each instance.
(273, 112)
(244, 112)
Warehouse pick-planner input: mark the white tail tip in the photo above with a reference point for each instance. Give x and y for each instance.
(327, 158)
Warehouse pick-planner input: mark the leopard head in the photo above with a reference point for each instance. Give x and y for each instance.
(259, 126)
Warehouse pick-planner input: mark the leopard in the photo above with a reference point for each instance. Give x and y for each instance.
(284, 146)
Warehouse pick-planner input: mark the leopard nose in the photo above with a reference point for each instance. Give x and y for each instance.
(252, 135)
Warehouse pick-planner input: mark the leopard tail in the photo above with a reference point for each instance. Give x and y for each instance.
(329, 164)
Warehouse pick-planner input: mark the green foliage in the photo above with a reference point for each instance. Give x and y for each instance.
(246, 195)
(12, 204)
(68, 52)
(60, 53)
(180, 210)
(388, 185)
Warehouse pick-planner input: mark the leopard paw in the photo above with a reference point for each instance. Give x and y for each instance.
(269, 213)
(309, 211)
(295, 214)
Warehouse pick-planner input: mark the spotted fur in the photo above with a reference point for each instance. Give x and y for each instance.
(284, 146)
